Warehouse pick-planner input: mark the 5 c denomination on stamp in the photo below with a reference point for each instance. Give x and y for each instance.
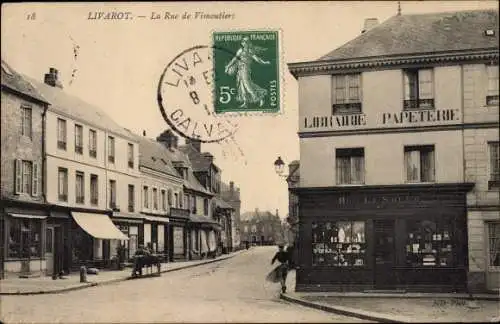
(247, 71)
(185, 96)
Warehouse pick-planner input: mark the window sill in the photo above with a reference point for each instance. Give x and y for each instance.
(420, 182)
(350, 184)
(24, 259)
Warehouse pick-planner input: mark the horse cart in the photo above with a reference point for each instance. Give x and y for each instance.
(148, 262)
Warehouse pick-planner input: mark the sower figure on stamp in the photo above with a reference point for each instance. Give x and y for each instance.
(248, 91)
(280, 273)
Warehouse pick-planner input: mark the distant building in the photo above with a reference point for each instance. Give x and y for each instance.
(399, 168)
(261, 228)
(231, 194)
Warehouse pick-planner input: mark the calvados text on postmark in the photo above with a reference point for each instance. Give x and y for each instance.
(247, 71)
(185, 96)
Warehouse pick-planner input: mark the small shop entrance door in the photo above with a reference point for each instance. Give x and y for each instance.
(384, 254)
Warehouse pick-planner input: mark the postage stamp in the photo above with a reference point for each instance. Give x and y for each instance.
(185, 96)
(246, 71)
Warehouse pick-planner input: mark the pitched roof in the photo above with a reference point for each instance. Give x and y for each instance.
(201, 161)
(221, 203)
(423, 33)
(62, 102)
(176, 155)
(155, 156)
(15, 81)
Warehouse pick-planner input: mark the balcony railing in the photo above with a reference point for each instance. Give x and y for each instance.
(418, 104)
(61, 145)
(346, 108)
(93, 153)
(131, 208)
(94, 201)
(79, 149)
(111, 158)
(80, 199)
(131, 164)
(492, 100)
(63, 197)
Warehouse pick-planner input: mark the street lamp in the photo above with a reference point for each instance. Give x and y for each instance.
(279, 167)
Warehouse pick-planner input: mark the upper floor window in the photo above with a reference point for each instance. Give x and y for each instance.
(350, 165)
(145, 197)
(80, 188)
(131, 198)
(112, 194)
(155, 198)
(78, 139)
(419, 89)
(193, 204)
(61, 133)
(176, 195)
(163, 200)
(494, 181)
(94, 189)
(205, 207)
(63, 184)
(419, 163)
(492, 95)
(169, 196)
(346, 94)
(111, 149)
(27, 177)
(26, 122)
(92, 143)
(130, 154)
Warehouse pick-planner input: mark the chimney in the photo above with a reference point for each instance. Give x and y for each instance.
(277, 214)
(231, 187)
(369, 24)
(144, 133)
(194, 143)
(168, 139)
(52, 79)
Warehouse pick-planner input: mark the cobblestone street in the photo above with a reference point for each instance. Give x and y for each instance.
(228, 291)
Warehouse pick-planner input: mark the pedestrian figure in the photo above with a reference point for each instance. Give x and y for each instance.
(140, 253)
(280, 273)
(290, 249)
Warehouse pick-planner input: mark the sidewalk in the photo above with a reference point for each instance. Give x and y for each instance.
(400, 307)
(45, 284)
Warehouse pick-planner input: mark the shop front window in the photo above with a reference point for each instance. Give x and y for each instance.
(429, 244)
(339, 244)
(494, 244)
(25, 237)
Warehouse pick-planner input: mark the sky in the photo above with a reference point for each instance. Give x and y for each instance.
(119, 64)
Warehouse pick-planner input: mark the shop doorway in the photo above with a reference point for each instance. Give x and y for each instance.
(384, 254)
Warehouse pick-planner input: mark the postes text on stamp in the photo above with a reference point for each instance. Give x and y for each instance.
(247, 71)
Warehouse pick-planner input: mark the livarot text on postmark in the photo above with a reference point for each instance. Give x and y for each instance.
(247, 71)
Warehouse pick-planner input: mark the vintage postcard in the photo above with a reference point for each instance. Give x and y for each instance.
(250, 162)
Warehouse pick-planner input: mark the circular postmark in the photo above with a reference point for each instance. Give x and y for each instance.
(185, 96)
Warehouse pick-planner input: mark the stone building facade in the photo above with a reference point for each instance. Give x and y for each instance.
(399, 157)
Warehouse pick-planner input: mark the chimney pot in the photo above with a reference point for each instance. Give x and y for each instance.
(143, 133)
(51, 78)
(231, 186)
(369, 24)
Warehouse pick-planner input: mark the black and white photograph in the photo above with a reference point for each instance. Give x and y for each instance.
(250, 162)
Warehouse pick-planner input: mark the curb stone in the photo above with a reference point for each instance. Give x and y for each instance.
(346, 311)
(107, 282)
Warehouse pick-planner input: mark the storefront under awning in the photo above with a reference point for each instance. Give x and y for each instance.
(99, 226)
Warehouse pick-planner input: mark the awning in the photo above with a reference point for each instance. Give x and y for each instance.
(27, 216)
(156, 219)
(99, 226)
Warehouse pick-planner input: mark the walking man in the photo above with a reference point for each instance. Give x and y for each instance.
(280, 272)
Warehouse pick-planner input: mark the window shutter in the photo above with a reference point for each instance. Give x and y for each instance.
(35, 183)
(18, 176)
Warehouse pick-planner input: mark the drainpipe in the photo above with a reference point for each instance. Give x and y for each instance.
(44, 155)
